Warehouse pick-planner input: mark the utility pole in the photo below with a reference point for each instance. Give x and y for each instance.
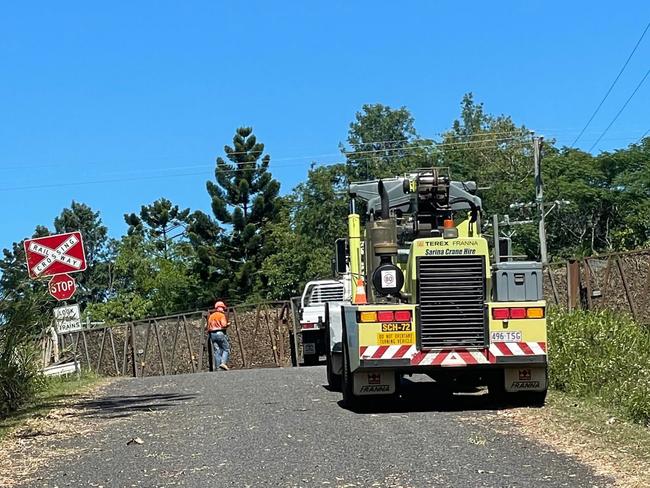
(539, 196)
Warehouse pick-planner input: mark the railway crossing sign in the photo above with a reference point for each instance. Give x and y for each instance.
(62, 287)
(55, 255)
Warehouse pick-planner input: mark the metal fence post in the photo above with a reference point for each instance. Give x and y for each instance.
(573, 284)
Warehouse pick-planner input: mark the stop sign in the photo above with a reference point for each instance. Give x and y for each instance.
(62, 287)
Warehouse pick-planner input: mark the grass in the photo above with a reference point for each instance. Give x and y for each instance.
(592, 419)
(602, 357)
(55, 391)
(585, 429)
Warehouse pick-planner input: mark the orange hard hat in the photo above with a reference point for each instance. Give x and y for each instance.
(220, 305)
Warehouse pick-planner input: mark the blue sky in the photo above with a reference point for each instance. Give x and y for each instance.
(120, 103)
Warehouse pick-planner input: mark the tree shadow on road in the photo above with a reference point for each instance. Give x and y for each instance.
(118, 406)
(428, 396)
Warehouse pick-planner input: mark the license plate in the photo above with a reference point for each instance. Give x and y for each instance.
(396, 327)
(309, 348)
(505, 336)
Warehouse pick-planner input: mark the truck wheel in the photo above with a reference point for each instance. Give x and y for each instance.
(497, 388)
(350, 400)
(310, 359)
(534, 399)
(292, 341)
(333, 380)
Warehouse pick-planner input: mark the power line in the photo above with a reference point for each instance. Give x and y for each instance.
(612, 85)
(621, 110)
(487, 137)
(226, 171)
(420, 143)
(429, 145)
(441, 134)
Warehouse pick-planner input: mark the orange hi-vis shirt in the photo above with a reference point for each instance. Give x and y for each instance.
(217, 321)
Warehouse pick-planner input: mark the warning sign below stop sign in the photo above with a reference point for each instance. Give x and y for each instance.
(62, 287)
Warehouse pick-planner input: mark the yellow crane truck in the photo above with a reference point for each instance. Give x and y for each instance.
(426, 299)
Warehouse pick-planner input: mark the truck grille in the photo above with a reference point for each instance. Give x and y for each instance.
(452, 301)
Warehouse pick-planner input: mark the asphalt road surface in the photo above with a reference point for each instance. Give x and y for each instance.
(283, 428)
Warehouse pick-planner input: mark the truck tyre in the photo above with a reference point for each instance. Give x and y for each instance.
(535, 399)
(310, 359)
(497, 388)
(350, 400)
(333, 380)
(292, 341)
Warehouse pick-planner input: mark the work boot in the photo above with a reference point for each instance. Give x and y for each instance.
(223, 366)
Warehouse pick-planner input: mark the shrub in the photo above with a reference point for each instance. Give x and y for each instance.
(22, 317)
(603, 355)
(19, 380)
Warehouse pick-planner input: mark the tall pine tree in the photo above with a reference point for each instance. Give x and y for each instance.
(244, 199)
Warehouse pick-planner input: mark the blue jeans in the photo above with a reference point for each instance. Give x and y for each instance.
(220, 347)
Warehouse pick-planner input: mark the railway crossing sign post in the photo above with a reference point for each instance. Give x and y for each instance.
(56, 256)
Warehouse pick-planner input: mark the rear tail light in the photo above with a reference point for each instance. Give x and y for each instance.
(500, 313)
(385, 316)
(308, 325)
(518, 313)
(368, 316)
(374, 316)
(403, 316)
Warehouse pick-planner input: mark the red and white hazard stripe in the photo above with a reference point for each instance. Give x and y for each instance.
(387, 352)
(454, 357)
(498, 349)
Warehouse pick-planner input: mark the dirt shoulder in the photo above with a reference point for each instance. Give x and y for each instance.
(586, 431)
(27, 436)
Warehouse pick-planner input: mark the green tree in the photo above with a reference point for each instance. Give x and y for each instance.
(164, 222)
(383, 143)
(212, 267)
(243, 197)
(147, 283)
(491, 150)
(309, 222)
(14, 277)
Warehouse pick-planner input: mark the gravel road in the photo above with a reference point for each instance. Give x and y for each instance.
(283, 428)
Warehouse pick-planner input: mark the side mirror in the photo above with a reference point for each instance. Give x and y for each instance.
(341, 261)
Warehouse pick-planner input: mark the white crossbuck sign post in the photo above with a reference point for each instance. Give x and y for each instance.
(51, 256)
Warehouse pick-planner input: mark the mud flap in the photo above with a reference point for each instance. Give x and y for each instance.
(525, 379)
(374, 383)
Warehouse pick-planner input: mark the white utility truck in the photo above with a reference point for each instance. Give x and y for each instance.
(312, 316)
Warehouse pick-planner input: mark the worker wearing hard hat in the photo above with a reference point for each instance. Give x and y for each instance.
(217, 325)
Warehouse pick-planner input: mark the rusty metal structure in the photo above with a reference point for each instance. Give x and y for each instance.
(177, 344)
(615, 281)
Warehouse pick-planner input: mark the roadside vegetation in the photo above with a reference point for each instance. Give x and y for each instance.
(602, 357)
(51, 393)
(22, 323)
(24, 391)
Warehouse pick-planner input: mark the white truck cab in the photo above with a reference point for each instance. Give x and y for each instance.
(312, 315)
